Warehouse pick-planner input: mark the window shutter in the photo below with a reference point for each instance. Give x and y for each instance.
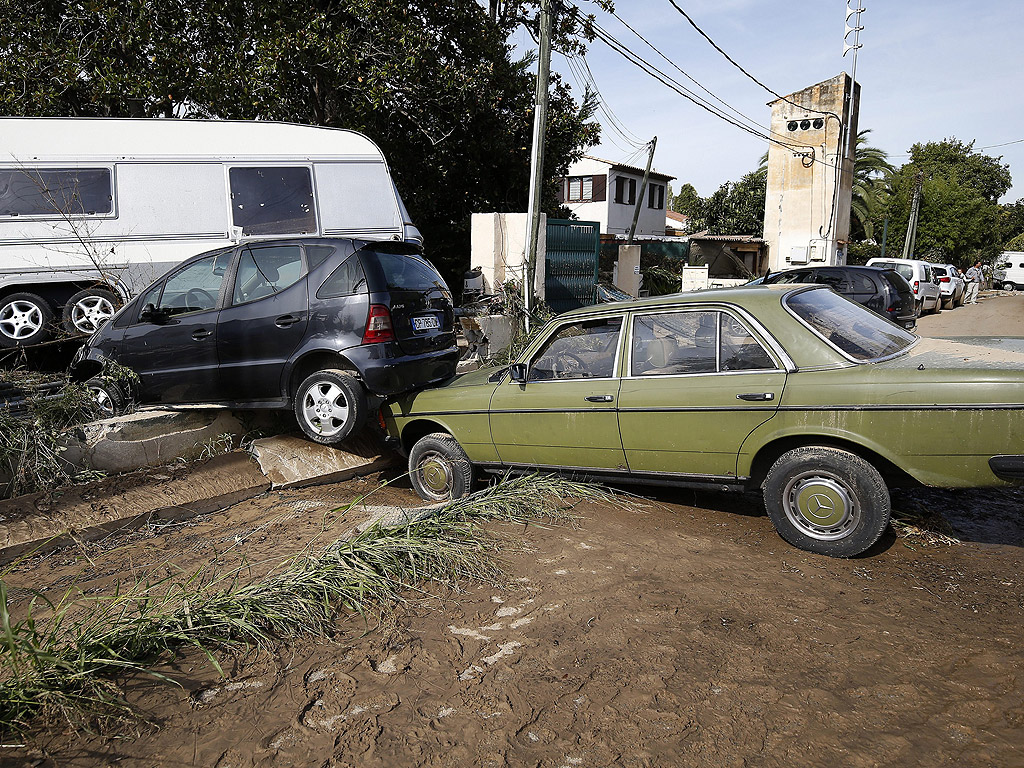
(632, 191)
(561, 190)
(600, 188)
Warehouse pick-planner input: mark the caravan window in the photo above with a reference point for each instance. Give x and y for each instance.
(272, 201)
(56, 192)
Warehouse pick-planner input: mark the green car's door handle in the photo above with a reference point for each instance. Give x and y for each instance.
(600, 398)
(756, 396)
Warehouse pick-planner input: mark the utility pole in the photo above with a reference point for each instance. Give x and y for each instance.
(540, 121)
(915, 206)
(643, 187)
(847, 142)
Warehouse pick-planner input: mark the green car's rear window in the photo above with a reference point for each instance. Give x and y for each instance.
(851, 328)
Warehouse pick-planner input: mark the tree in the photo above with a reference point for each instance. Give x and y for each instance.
(436, 85)
(959, 218)
(871, 173)
(735, 208)
(1011, 223)
(687, 201)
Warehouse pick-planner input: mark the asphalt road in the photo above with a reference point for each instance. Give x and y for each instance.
(996, 314)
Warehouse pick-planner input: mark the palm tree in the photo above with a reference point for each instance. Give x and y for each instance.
(871, 186)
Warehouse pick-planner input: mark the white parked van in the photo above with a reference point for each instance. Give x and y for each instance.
(93, 209)
(1009, 271)
(921, 278)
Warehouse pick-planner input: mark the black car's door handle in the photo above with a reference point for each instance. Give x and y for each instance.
(201, 334)
(756, 396)
(285, 320)
(600, 398)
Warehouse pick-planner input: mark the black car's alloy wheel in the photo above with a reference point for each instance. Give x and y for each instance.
(439, 468)
(109, 396)
(827, 500)
(330, 405)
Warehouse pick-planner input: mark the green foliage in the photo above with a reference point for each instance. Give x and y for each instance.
(736, 208)
(61, 657)
(687, 201)
(860, 252)
(959, 221)
(1015, 244)
(436, 85)
(32, 443)
(871, 187)
(1011, 224)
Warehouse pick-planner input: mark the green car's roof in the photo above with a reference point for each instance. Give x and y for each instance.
(748, 297)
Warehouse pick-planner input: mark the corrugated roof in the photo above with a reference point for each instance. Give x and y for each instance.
(630, 168)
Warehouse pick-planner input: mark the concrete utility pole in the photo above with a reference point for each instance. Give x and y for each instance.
(643, 188)
(540, 121)
(915, 206)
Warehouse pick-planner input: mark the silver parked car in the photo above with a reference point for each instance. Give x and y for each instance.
(952, 285)
(922, 280)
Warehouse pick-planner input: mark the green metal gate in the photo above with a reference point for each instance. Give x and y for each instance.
(570, 277)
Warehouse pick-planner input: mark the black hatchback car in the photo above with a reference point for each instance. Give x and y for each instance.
(321, 326)
(881, 290)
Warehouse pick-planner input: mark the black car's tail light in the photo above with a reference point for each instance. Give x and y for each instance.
(378, 325)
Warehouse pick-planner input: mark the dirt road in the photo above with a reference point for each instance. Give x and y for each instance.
(683, 633)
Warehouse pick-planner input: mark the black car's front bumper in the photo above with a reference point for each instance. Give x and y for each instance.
(1009, 468)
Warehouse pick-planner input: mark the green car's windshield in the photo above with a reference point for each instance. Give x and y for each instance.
(850, 327)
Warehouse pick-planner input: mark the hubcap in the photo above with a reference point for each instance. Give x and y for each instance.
(90, 312)
(103, 401)
(821, 505)
(325, 408)
(436, 474)
(20, 319)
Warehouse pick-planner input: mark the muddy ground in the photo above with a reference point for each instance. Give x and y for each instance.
(684, 632)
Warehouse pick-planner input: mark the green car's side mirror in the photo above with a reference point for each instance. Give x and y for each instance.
(519, 373)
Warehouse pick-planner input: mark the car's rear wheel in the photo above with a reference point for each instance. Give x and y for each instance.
(110, 398)
(947, 303)
(439, 468)
(827, 500)
(87, 310)
(24, 319)
(1008, 286)
(330, 405)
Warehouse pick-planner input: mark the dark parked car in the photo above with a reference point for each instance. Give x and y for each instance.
(881, 290)
(322, 326)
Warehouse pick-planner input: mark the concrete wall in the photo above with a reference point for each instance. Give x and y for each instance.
(799, 223)
(499, 242)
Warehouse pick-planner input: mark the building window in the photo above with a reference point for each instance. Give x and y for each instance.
(656, 196)
(581, 189)
(272, 200)
(625, 190)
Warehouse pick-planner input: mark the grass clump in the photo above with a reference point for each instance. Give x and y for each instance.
(63, 657)
(32, 440)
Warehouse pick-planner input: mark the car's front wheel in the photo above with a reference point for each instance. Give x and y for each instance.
(827, 500)
(330, 405)
(110, 398)
(1008, 286)
(439, 468)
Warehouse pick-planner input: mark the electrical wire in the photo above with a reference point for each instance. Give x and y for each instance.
(732, 61)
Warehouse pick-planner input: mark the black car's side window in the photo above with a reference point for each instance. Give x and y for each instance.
(582, 350)
(346, 280)
(263, 272)
(195, 288)
(705, 341)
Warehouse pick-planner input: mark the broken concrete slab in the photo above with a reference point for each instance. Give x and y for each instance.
(291, 461)
(43, 522)
(153, 436)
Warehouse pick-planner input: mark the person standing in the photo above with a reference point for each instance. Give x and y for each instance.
(974, 276)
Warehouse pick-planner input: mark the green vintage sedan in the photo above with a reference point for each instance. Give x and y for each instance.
(817, 401)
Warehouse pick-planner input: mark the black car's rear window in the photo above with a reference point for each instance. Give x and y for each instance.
(850, 327)
(408, 273)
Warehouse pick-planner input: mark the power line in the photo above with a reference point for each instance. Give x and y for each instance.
(732, 61)
(693, 80)
(581, 72)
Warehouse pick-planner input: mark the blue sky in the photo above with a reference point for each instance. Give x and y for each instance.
(928, 70)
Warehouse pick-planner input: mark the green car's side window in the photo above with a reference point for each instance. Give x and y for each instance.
(581, 350)
(705, 341)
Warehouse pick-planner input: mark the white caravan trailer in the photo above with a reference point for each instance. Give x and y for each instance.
(94, 209)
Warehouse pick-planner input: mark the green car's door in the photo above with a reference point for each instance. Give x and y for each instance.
(697, 383)
(564, 414)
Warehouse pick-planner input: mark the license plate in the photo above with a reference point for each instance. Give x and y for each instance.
(427, 323)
